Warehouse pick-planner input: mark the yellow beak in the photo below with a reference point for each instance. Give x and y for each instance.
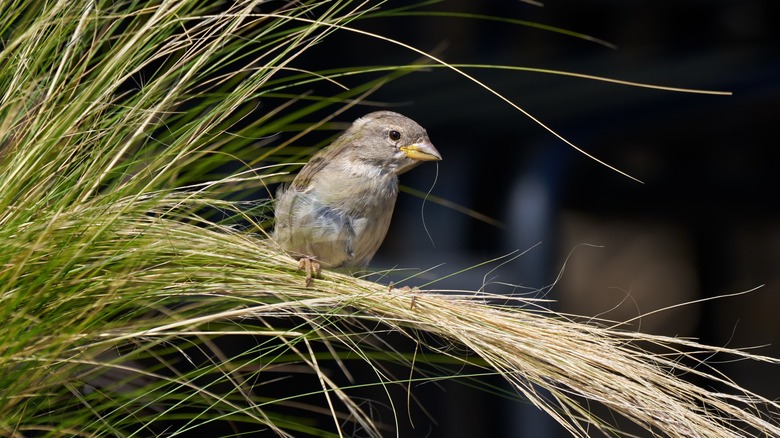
(422, 152)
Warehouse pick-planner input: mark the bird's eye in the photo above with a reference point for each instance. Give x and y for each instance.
(394, 135)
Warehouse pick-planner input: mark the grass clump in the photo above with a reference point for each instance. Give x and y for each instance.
(127, 269)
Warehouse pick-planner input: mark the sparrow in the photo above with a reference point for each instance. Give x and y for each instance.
(337, 210)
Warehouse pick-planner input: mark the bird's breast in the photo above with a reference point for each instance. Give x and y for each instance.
(358, 190)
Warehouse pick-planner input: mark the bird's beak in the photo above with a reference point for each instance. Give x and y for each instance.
(423, 151)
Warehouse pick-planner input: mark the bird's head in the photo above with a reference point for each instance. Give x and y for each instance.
(392, 141)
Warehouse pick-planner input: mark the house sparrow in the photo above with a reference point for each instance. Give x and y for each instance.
(338, 208)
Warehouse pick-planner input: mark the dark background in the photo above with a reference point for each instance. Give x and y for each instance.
(705, 222)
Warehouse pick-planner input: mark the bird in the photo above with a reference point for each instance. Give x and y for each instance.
(337, 210)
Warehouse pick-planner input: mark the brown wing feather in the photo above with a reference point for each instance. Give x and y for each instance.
(319, 161)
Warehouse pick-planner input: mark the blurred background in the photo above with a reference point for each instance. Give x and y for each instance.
(705, 221)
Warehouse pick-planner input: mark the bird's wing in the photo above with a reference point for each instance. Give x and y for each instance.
(318, 162)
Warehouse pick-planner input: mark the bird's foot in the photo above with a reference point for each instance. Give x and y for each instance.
(412, 292)
(311, 267)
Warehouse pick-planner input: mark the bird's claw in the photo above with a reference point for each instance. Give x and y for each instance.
(311, 267)
(405, 289)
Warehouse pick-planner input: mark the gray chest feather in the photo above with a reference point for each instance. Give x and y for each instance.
(341, 223)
